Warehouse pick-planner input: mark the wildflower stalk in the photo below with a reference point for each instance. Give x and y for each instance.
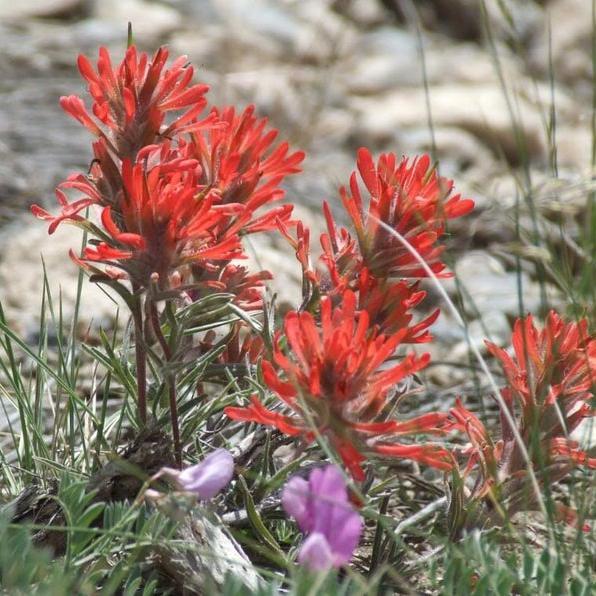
(140, 358)
(170, 380)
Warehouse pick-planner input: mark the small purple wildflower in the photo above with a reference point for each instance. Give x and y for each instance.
(206, 478)
(321, 507)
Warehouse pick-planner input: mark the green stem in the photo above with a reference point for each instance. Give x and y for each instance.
(141, 361)
(171, 381)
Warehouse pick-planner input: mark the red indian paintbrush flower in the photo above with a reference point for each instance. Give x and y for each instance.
(173, 203)
(389, 307)
(550, 383)
(130, 101)
(334, 380)
(163, 225)
(552, 368)
(409, 197)
(246, 287)
(241, 164)
(387, 302)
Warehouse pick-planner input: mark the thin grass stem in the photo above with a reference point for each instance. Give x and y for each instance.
(497, 393)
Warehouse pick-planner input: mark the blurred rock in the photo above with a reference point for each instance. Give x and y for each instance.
(365, 13)
(465, 19)
(390, 58)
(327, 36)
(287, 95)
(22, 247)
(483, 113)
(150, 21)
(90, 34)
(574, 147)
(585, 435)
(271, 20)
(571, 41)
(493, 326)
(380, 61)
(457, 150)
(201, 11)
(48, 9)
(459, 19)
(487, 287)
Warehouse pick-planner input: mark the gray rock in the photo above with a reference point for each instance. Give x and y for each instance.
(465, 19)
(200, 11)
(22, 247)
(269, 19)
(91, 33)
(52, 9)
(585, 434)
(571, 39)
(208, 557)
(456, 150)
(488, 287)
(151, 21)
(365, 13)
(493, 326)
(481, 110)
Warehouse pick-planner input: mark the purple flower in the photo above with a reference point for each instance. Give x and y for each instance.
(321, 507)
(206, 478)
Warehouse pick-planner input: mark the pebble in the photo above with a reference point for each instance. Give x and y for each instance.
(570, 35)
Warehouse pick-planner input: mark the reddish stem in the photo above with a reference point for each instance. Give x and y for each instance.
(171, 381)
(141, 363)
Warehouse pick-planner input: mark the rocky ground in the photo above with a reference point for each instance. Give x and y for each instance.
(474, 87)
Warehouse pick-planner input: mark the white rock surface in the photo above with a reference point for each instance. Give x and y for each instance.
(480, 110)
(21, 277)
(489, 288)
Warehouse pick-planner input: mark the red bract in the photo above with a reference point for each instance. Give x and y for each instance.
(163, 225)
(240, 161)
(242, 347)
(555, 367)
(550, 383)
(102, 186)
(131, 100)
(234, 279)
(241, 165)
(341, 253)
(410, 198)
(389, 304)
(334, 381)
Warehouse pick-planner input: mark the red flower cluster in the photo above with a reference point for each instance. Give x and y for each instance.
(131, 101)
(336, 377)
(334, 381)
(550, 383)
(411, 199)
(175, 198)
